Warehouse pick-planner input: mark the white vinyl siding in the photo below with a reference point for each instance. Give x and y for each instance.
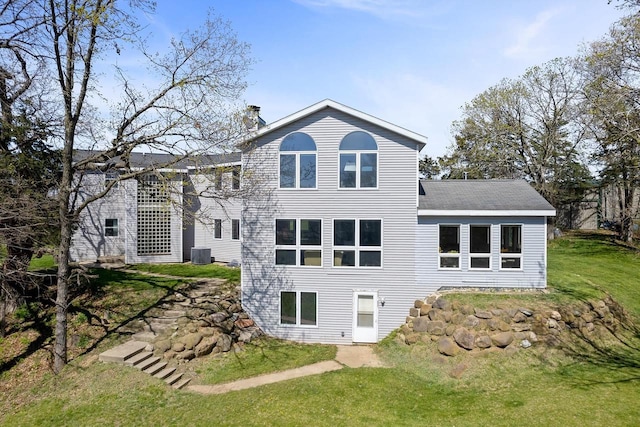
(394, 201)
(532, 273)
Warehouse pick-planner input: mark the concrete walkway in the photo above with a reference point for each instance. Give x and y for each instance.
(352, 356)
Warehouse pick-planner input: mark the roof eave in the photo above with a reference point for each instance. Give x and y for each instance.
(486, 213)
(420, 140)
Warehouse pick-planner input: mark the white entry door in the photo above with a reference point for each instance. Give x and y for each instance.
(365, 317)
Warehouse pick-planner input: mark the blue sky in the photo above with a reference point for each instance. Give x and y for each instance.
(413, 63)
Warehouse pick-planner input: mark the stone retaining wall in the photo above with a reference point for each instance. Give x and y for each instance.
(461, 327)
(212, 325)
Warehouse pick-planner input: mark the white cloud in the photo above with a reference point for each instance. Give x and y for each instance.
(527, 37)
(379, 8)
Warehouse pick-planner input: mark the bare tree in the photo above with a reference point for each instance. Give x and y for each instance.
(185, 104)
(529, 128)
(612, 69)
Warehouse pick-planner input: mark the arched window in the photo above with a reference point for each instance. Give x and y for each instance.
(358, 161)
(298, 161)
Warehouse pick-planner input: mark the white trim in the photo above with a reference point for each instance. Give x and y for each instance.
(483, 213)
(327, 103)
(215, 165)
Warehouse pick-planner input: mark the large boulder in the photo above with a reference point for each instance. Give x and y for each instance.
(224, 343)
(447, 346)
(483, 341)
(502, 339)
(190, 341)
(441, 304)
(420, 324)
(465, 338)
(205, 346)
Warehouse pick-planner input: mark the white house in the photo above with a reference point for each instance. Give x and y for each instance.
(340, 242)
(338, 235)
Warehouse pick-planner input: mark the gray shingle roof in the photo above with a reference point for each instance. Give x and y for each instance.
(481, 195)
(143, 160)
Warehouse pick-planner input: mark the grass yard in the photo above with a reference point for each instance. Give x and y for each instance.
(232, 275)
(539, 386)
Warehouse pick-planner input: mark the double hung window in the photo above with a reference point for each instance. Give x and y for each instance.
(511, 247)
(298, 162)
(111, 227)
(299, 242)
(298, 308)
(480, 246)
(357, 243)
(358, 161)
(449, 247)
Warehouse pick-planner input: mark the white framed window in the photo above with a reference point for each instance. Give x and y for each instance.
(110, 177)
(511, 247)
(299, 308)
(111, 227)
(154, 217)
(449, 246)
(235, 229)
(480, 247)
(298, 161)
(217, 229)
(299, 242)
(357, 243)
(358, 161)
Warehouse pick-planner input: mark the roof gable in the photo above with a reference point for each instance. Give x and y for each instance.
(327, 103)
(481, 198)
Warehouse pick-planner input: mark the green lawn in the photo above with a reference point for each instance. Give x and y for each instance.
(538, 386)
(189, 270)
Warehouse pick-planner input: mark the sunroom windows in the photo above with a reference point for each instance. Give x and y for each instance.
(357, 243)
(449, 246)
(358, 161)
(480, 246)
(298, 162)
(299, 242)
(511, 247)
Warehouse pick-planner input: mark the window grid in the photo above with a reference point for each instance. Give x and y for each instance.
(298, 162)
(363, 249)
(298, 242)
(358, 161)
(154, 218)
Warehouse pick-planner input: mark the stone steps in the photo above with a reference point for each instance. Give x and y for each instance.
(132, 353)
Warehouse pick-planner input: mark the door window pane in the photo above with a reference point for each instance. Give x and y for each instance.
(365, 311)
